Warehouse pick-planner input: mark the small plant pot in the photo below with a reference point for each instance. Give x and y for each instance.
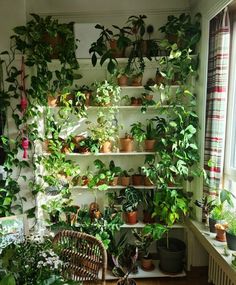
(125, 181)
(137, 179)
(231, 241)
(149, 97)
(220, 235)
(137, 80)
(114, 182)
(131, 218)
(106, 147)
(147, 181)
(147, 217)
(136, 101)
(126, 144)
(116, 52)
(147, 264)
(88, 96)
(149, 145)
(52, 101)
(122, 80)
(212, 223)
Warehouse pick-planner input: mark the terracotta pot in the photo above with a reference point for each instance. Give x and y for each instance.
(149, 97)
(115, 50)
(147, 217)
(127, 144)
(149, 145)
(114, 182)
(220, 231)
(88, 96)
(137, 179)
(136, 101)
(106, 147)
(159, 79)
(122, 80)
(147, 181)
(52, 101)
(220, 234)
(147, 264)
(131, 218)
(54, 42)
(137, 81)
(125, 181)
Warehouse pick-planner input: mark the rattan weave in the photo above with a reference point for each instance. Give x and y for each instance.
(84, 256)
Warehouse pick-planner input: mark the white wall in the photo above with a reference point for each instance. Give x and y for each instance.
(108, 12)
(12, 14)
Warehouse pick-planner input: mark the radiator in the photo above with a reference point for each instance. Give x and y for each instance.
(217, 275)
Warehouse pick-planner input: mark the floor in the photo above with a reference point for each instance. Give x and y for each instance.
(194, 277)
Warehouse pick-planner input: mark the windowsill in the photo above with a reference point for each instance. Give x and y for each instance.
(212, 246)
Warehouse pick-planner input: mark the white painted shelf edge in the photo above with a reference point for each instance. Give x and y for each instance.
(140, 224)
(122, 187)
(147, 274)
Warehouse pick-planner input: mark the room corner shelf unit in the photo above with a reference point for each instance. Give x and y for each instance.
(126, 116)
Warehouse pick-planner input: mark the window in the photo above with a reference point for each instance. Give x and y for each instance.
(230, 142)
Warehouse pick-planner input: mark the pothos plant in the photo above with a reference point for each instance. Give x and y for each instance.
(25, 91)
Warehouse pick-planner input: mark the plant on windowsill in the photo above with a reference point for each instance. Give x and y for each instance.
(214, 209)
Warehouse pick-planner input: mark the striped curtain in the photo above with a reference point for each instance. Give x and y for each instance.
(216, 101)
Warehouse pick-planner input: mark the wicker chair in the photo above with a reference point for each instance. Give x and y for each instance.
(84, 257)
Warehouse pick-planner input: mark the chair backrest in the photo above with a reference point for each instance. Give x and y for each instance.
(84, 256)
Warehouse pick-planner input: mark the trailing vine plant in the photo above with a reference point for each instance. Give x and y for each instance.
(29, 81)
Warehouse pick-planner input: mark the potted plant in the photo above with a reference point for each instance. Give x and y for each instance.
(214, 209)
(130, 200)
(122, 76)
(231, 230)
(115, 170)
(150, 139)
(53, 208)
(170, 206)
(137, 177)
(88, 145)
(102, 177)
(100, 48)
(138, 133)
(127, 143)
(125, 177)
(121, 40)
(148, 206)
(143, 241)
(125, 263)
(87, 91)
(183, 30)
(106, 93)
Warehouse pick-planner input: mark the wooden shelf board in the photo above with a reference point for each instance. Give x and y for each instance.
(147, 274)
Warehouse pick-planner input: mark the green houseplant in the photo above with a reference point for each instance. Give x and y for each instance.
(130, 200)
(183, 30)
(231, 230)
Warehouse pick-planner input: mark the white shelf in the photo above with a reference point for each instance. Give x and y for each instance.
(147, 274)
(109, 154)
(123, 187)
(140, 224)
